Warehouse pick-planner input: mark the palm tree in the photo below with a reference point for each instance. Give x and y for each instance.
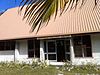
(40, 11)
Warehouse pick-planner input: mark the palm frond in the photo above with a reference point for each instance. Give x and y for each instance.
(40, 11)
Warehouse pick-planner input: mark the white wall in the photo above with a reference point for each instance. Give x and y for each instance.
(23, 50)
(20, 53)
(95, 40)
(42, 58)
(7, 55)
(96, 47)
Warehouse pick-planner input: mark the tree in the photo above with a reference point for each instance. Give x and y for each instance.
(40, 11)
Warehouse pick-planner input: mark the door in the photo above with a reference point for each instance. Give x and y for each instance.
(60, 50)
(51, 50)
(57, 50)
(63, 50)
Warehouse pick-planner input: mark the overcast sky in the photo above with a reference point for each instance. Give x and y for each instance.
(6, 4)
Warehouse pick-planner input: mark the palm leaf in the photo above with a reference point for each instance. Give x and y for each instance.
(40, 11)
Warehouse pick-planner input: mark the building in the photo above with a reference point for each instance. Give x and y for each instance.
(74, 36)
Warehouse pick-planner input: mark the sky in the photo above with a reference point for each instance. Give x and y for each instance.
(6, 4)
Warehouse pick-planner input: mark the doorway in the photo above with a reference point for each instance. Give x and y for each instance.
(60, 50)
(57, 50)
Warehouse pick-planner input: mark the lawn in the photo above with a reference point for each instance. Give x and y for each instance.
(42, 69)
(26, 70)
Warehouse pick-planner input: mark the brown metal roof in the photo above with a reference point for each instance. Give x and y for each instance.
(75, 21)
(12, 26)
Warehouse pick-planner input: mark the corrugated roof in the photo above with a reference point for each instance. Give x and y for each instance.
(75, 21)
(12, 26)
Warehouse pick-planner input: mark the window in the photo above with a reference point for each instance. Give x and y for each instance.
(51, 56)
(33, 48)
(51, 46)
(7, 45)
(82, 46)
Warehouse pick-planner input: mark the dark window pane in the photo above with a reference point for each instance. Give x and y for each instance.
(30, 53)
(37, 48)
(45, 56)
(30, 48)
(67, 44)
(86, 40)
(37, 43)
(12, 45)
(87, 52)
(51, 46)
(77, 46)
(2, 45)
(67, 57)
(45, 47)
(67, 48)
(78, 51)
(51, 56)
(77, 40)
(30, 44)
(33, 48)
(82, 46)
(7, 45)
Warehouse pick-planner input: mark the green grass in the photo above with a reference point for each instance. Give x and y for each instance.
(26, 69)
(43, 69)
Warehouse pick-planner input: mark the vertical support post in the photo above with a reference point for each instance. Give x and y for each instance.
(71, 50)
(16, 56)
(42, 51)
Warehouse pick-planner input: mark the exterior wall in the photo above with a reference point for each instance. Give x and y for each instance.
(7, 55)
(22, 54)
(19, 54)
(42, 59)
(96, 47)
(95, 40)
